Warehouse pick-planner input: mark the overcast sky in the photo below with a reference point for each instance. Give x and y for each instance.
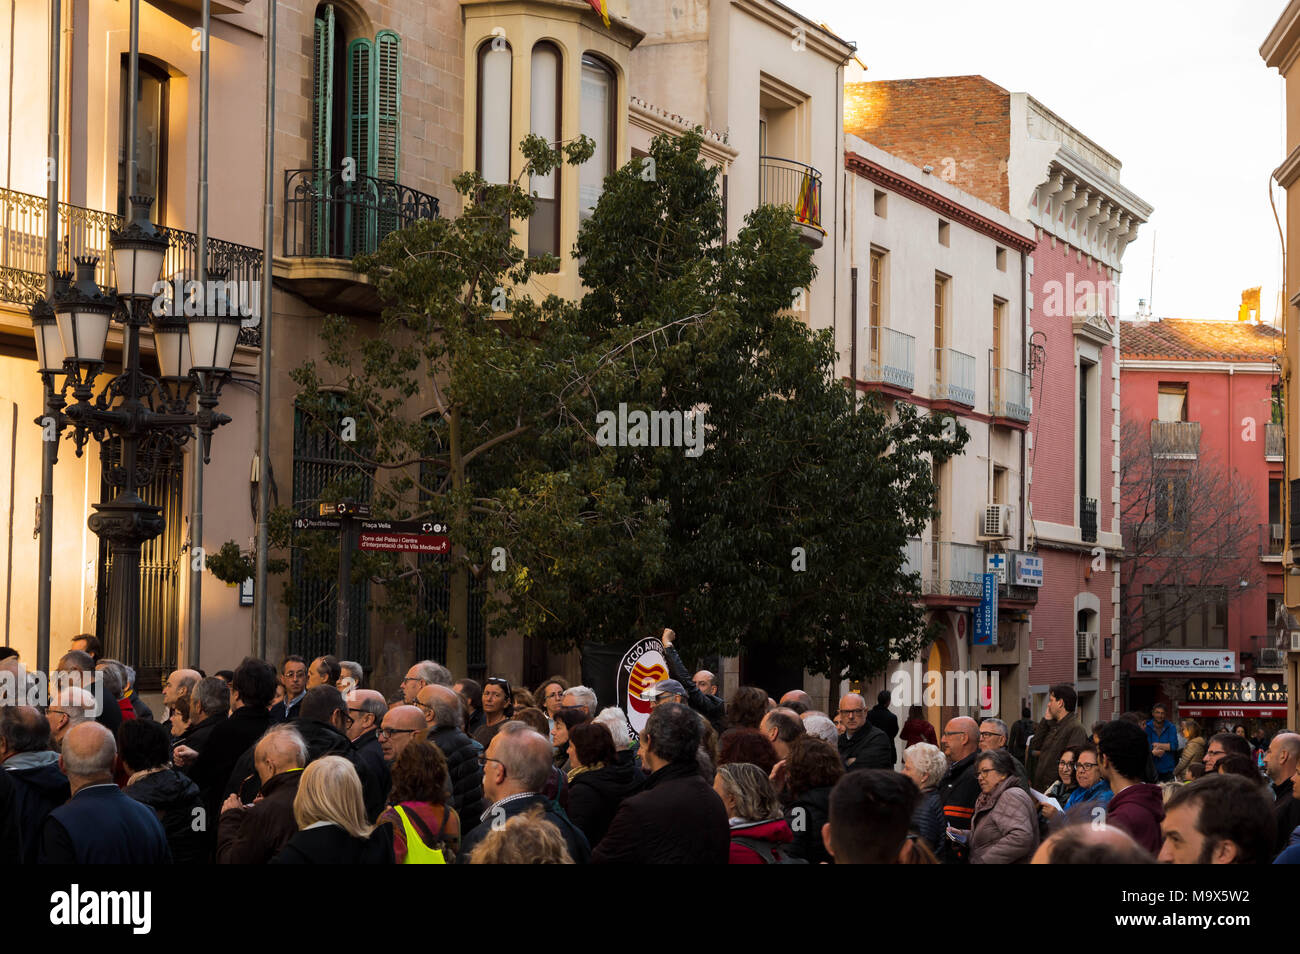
(1176, 90)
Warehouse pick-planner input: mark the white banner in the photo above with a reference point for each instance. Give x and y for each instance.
(1186, 660)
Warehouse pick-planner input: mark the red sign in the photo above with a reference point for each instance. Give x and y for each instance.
(405, 542)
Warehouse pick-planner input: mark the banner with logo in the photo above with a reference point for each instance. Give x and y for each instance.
(986, 614)
(619, 674)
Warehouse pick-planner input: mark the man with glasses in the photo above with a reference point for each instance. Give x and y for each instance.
(579, 699)
(1060, 730)
(424, 673)
(1092, 789)
(665, 690)
(960, 786)
(400, 725)
(293, 676)
(1221, 744)
(366, 710)
(993, 735)
(39, 784)
(862, 746)
(702, 694)
(71, 706)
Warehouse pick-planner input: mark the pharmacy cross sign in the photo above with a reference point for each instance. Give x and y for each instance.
(997, 563)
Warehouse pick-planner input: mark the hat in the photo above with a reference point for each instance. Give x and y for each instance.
(663, 687)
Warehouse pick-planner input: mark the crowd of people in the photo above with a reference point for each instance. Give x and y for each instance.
(306, 764)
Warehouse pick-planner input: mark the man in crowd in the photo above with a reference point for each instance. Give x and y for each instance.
(665, 690)
(1018, 740)
(1059, 730)
(99, 824)
(580, 699)
(796, 700)
(1217, 820)
(672, 820)
(254, 834)
(366, 711)
(179, 685)
(960, 787)
(293, 676)
(400, 725)
(39, 784)
(1163, 738)
(446, 731)
(862, 746)
(90, 645)
(209, 703)
(68, 708)
(324, 671)
(884, 720)
(781, 727)
(705, 701)
(78, 671)
(1088, 844)
(1137, 807)
(1225, 743)
(870, 813)
(1280, 762)
(516, 766)
(993, 735)
(424, 673)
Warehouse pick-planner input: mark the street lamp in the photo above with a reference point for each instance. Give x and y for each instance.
(141, 423)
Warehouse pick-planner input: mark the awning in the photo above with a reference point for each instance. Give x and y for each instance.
(1231, 710)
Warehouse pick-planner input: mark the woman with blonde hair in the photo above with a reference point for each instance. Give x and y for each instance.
(331, 817)
(524, 840)
(1193, 750)
(760, 835)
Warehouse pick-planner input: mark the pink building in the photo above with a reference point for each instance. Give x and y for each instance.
(1016, 154)
(1204, 582)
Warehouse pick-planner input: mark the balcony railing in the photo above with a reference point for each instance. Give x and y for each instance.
(890, 358)
(793, 184)
(1088, 519)
(956, 569)
(85, 231)
(329, 216)
(1176, 440)
(1274, 441)
(1009, 395)
(954, 376)
(1272, 537)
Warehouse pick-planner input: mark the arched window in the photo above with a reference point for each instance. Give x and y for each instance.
(150, 138)
(544, 227)
(495, 63)
(598, 120)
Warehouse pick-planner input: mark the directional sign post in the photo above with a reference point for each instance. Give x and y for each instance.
(404, 536)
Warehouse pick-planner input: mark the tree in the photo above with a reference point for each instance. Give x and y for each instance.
(1190, 536)
(778, 513)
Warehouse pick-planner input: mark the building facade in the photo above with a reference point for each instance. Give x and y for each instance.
(1202, 522)
(1014, 153)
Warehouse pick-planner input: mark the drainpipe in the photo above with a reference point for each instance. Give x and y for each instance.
(260, 594)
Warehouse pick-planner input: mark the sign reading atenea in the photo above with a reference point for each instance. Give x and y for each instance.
(1186, 660)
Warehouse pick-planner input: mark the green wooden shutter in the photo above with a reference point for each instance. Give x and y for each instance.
(388, 104)
(362, 209)
(321, 127)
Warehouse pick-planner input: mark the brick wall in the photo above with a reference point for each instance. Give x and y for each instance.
(960, 125)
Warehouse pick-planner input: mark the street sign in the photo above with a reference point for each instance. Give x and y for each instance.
(986, 614)
(403, 542)
(402, 526)
(317, 523)
(1029, 570)
(996, 563)
(346, 508)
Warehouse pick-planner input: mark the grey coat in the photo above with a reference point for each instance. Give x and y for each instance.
(1004, 829)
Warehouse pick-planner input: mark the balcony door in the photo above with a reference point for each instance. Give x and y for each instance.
(150, 138)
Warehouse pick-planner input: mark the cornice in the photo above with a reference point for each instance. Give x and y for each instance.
(815, 36)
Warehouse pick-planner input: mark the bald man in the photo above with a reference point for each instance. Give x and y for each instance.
(1280, 762)
(99, 824)
(400, 725)
(366, 711)
(960, 787)
(518, 765)
(177, 689)
(862, 746)
(798, 701)
(1087, 844)
(254, 834)
(39, 785)
(69, 707)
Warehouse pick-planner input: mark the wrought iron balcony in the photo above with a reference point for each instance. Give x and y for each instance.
(1088, 519)
(798, 186)
(1176, 440)
(330, 215)
(956, 569)
(890, 358)
(954, 376)
(1009, 394)
(85, 231)
(1272, 537)
(1274, 441)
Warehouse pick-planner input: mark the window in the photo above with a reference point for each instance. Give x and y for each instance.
(881, 204)
(150, 139)
(874, 298)
(1185, 617)
(1275, 501)
(597, 121)
(544, 226)
(936, 526)
(1172, 511)
(495, 63)
(943, 233)
(995, 351)
(1172, 402)
(1000, 259)
(940, 303)
(1000, 485)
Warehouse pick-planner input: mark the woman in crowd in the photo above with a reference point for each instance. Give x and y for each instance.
(425, 829)
(598, 782)
(550, 695)
(472, 693)
(1066, 782)
(523, 840)
(498, 708)
(524, 699)
(1193, 751)
(1004, 828)
(146, 751)
(1090, 788)
(565, 722)
(331, 817)
(811, 771)
(916, 729)
(747, 708)
(925, 765)
(746, 745)
(760, 835)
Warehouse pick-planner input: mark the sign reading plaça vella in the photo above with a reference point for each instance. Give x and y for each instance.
(1186, 660)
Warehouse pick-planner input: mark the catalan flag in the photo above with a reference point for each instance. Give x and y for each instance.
(601, 7)
(808, 205)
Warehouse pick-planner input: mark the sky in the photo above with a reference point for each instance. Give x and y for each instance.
(1176, 90)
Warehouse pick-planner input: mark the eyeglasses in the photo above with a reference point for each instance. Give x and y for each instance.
(982, 772)
(849, 712)
(484, 760)
(1065, 764)
(386, 731)
(1084, 766)
(412, 679)
(989, 735)
(557, 694)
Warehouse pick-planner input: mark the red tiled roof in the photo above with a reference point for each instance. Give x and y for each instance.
(1183, 339)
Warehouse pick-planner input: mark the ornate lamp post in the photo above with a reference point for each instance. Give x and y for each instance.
(141, 422)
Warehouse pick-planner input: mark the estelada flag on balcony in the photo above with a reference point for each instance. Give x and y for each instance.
(807, 209)
(601, 7)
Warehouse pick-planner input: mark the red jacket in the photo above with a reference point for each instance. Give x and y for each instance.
(917, 730)
(776, 833)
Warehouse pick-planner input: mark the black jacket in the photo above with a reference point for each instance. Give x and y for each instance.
(229, 740)
(101, 826)
(928, 820)
(174, 799)
(1286, 812)
(711, 707)
(869, 748)
(11, 845)
(806, 815)
(368, 753)
(957, 794)
(331, 845)
(574, 839)
(595, 795)
(671, 821)
(197, 736)
(38, 790)
(111, 716)
(884, 720)
(466, 774)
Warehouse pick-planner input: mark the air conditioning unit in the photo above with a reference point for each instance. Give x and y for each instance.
(1087, 646)
(1271, 659)
(996, 522)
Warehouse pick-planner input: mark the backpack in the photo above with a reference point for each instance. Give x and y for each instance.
(418, 851)
(770, 853)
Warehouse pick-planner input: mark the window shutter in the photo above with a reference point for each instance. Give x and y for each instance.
(321, 128)
(388, 104)
(362, 207)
